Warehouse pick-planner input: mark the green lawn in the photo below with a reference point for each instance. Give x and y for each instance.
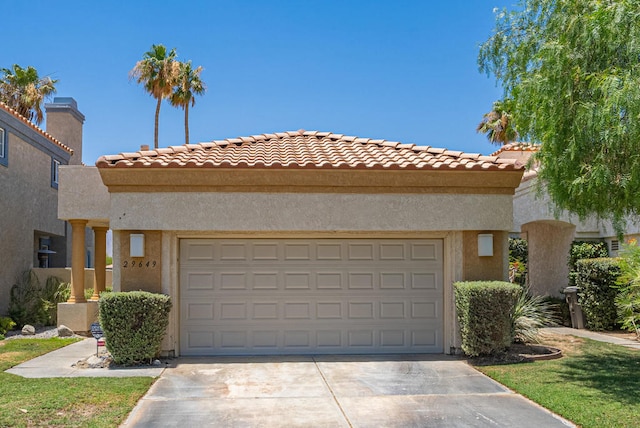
(68, 402)
(594, 385)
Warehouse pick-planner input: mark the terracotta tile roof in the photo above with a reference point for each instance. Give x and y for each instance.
(517, 147)
(33, 126)
(306, 149)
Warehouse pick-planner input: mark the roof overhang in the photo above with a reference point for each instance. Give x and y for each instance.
(310, 180)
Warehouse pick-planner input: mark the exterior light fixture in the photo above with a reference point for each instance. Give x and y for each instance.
(136, 245)
(485, 245)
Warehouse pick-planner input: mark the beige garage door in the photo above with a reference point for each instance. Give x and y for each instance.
(327, 296)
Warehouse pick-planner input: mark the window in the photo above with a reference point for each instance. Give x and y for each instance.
(3, 147)
(55, 171)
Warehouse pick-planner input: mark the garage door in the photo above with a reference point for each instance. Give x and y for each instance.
(260, 297)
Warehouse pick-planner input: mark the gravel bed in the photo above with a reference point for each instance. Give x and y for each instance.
(41, 333)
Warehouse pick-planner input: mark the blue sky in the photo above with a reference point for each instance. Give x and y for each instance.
(397, 70)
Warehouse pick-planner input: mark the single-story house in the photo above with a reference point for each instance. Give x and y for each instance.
(300, 242)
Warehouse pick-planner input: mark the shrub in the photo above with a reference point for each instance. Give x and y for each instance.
(518, 259)
(596, 281)
(485, 311)
(530, 314)
(584, 250)
(134, 324)
(6, 324)
(32, 304)
(628, 298)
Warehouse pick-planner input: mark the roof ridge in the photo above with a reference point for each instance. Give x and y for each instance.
(517, 146)
(35, 127)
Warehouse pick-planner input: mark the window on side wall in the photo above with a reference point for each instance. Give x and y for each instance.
(55, 172)
(3, 148)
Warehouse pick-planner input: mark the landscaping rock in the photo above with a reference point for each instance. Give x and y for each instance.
(64, 331)
(28, 330)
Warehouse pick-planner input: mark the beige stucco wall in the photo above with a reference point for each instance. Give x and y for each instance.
(533, 204)
(28, 204)
(141, 273)
(310, 212)
(490, 268)
(82, 195)
(549, 245)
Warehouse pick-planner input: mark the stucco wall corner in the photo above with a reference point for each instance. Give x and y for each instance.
(82, 195)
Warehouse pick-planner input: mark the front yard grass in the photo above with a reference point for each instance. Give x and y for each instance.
(594, 385)
(68, 402)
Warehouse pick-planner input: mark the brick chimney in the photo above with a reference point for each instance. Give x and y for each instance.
(64, 122)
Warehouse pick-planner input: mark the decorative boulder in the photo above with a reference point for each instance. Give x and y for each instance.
(28, 330)
(64, 331)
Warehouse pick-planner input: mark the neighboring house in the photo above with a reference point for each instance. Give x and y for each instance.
(549, 233)
(32, 235)
(299, 242)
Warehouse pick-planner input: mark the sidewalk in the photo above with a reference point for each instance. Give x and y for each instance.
(600, 337)
(59, 363)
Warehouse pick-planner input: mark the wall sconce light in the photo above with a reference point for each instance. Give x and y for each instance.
(485, 245)
(136, 245)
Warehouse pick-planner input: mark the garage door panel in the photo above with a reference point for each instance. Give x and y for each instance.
(241, 297)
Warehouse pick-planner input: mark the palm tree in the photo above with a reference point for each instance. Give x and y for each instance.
(188, 85)
(24, 91)
(157, 71)
(498, 125)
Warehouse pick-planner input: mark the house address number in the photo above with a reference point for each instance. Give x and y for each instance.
(139, 264)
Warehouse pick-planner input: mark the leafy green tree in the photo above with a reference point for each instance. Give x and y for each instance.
(188, 85)
(572, 69)
(157, 71)
(24, 90)
(498, 125)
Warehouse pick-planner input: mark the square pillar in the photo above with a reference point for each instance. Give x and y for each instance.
(100, 239)
(77, 261)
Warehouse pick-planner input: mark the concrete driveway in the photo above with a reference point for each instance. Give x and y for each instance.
(333, 391)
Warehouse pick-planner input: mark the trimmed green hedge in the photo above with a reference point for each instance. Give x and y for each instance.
(584, 250)
(485, 311)
(596, 281)
(134, 324)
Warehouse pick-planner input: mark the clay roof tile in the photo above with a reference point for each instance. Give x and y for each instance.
(305, 150)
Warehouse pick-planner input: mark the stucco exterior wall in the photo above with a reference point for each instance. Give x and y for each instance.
(532, 204)
(28, 204)
(141, 273)
(549, 245)
(489, 268)
(311, 212)
(82, 195)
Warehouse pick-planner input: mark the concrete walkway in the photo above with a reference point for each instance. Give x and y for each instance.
(59, 363)
(600, 337)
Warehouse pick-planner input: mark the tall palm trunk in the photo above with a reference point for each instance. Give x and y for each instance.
(155, 134)
(186, 124)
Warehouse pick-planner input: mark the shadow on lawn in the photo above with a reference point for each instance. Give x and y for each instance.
(616, 374)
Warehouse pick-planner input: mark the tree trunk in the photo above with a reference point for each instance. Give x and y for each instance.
(155, 135)
(186, 124)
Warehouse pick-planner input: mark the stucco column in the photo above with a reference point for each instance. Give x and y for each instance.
(100, 242)
(77, 261)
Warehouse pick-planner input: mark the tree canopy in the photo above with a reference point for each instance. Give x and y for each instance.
(498, 124)
(24, 90)
(157, 71)
(572, 69)
(188, 84)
